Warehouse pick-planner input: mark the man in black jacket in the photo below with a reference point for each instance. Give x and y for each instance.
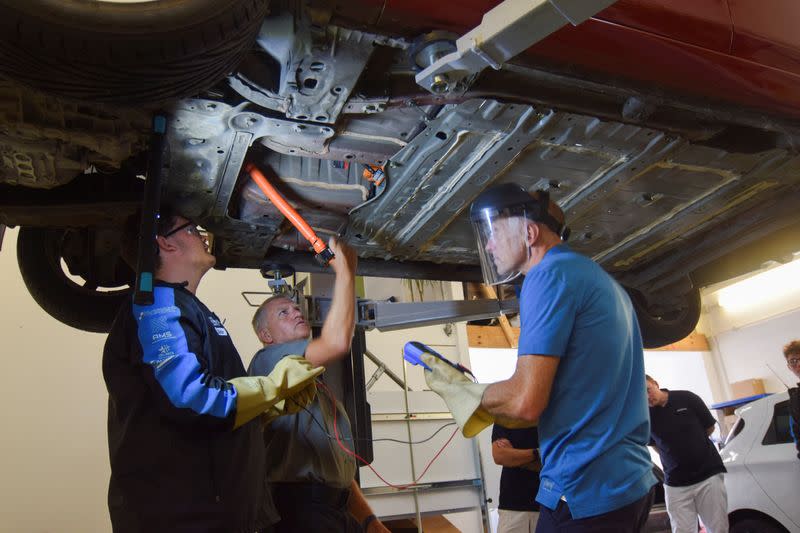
(680, 424)
(792, 353)
(184, 420)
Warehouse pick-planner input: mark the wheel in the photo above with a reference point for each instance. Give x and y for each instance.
(663, 323)
(130, 53)
(88, 301)
(755, 525)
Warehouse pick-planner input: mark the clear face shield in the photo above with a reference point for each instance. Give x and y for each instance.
(502, 244)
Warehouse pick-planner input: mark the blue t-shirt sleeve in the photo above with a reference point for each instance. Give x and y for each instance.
(548, 307)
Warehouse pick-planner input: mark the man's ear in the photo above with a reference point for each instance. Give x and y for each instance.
(264, 336)
(533, 231)
(164, 245)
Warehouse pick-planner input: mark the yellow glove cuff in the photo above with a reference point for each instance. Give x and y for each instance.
(256, 394)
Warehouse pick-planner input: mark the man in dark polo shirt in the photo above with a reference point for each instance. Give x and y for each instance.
(517, 451)
(680, 425)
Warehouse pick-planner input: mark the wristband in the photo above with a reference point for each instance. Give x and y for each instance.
(367, 521)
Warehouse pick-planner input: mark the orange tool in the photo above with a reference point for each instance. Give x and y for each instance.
(323, 253)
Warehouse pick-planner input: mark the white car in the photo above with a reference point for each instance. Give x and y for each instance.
(763, 478)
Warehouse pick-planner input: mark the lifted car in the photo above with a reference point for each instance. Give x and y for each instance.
(666, 130)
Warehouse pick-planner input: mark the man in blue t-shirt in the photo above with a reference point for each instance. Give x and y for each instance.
(580, 370)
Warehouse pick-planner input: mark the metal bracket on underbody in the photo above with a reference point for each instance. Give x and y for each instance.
(390, 316)
(319, 67)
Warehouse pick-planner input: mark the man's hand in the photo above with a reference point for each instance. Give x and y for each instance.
(346, 259)
(503, 443)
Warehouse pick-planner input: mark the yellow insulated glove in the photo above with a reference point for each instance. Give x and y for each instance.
(462, 396)
(292, 378)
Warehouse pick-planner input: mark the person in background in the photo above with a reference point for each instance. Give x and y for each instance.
(680, 427)
(312, 479)
(792, 354)
(517, 451)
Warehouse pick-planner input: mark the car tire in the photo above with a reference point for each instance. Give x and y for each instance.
(755, 525)
(130, 54)
(39, 259)
(666, 327)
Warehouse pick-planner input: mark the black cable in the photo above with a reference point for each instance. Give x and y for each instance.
(419, 441)
(373, 440)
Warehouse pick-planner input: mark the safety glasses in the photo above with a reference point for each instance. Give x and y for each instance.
(190, 227)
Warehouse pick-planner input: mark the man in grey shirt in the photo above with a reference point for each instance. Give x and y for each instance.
(311, 477)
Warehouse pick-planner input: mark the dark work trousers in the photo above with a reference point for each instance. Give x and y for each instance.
(307, 507)
(629, 519)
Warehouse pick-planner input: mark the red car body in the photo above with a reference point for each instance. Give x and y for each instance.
(737, 51)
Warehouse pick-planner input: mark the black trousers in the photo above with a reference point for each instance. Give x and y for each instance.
(629, 519)
(307, 507)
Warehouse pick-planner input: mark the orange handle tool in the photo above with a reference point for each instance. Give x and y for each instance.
(324, 254)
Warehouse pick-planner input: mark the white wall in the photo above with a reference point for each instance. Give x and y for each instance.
(680, 371)
(54, 460)
(748, 332)
(756, 351)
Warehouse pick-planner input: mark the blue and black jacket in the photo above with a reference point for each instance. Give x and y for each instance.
(176, 462)
(794, 416)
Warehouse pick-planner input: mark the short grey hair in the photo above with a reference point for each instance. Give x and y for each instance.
(260, 316)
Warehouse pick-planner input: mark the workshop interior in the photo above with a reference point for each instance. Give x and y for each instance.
(572, 221)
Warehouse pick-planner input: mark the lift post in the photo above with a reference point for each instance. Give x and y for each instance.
(146, 258)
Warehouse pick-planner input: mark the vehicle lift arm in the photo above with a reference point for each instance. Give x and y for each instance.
(505, 31)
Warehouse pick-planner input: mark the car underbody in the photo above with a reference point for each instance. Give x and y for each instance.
(667, 192)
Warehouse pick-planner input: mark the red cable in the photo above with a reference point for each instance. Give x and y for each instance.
(354, 454)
